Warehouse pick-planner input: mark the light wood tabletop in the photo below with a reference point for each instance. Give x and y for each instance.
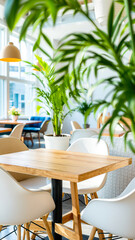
(62, 165)
(4, 130)
(25, 122)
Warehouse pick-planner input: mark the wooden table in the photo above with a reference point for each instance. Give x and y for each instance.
(25, 122)
(62, 165)
(5, 130)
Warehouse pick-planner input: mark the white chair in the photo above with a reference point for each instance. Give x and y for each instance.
(116, 216)
(17, 131)
(11, 145)
(82, 133)
(75, 125)
(92, 185)
(17, 204)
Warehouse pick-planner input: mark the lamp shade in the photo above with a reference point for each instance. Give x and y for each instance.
(10, 53)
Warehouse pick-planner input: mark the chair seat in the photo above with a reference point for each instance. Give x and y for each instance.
(37, 184)
(31, 129)
(88, 186)
(85, 187)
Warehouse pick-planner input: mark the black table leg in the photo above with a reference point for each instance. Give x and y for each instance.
(57, 213)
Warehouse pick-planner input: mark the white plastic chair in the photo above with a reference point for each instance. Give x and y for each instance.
(88, 145)
(116, 216)
(11, 145)
(17, 131)
(92, 185)
(17, 204)
(75, 125)
(82, 133)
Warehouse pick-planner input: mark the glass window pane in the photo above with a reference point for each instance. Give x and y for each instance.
(2, 98)
(21, 96)
(27, 55)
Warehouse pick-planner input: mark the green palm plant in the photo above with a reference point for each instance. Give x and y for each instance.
(51, 98)
(83, 107)
(75, 51)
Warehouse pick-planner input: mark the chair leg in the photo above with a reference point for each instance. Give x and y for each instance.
(33, 235)
(100, 232)
(92, 234)
(18, 232)
(27, 232)
(31, 139)
(86, 199)
(110, 236)
(24, 233)
(39, 138)
(47, 227)
(22, 139)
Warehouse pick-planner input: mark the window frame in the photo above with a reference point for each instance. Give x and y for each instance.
(7, 78)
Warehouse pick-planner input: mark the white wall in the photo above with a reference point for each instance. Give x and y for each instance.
(55, 34)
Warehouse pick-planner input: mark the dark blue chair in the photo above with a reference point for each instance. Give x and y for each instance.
(36, 127)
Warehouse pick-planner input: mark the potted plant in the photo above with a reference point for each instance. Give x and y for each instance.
(14, 112)
(83, 107)
(52, 99)
(101, 46)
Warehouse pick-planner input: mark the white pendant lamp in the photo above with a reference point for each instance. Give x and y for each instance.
(10, 53)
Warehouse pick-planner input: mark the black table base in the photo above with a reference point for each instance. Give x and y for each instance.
(57, 213)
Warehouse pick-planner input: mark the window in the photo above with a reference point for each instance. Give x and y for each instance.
(21, 96)
(16, 86)
(2, 44)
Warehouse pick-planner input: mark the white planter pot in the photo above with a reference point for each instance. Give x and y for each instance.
(58, 143)
(102, 8)
(14, 118)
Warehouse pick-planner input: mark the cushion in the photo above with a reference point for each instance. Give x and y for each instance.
(37, 118)
(31, 129)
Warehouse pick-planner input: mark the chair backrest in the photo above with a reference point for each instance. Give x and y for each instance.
(116, 215)
(17, 204)
(10, 145)
(82, 133)
(89, 145)
(102, 121)
(75, 125)
(44, 126)
(17, 131)
(38, 118)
